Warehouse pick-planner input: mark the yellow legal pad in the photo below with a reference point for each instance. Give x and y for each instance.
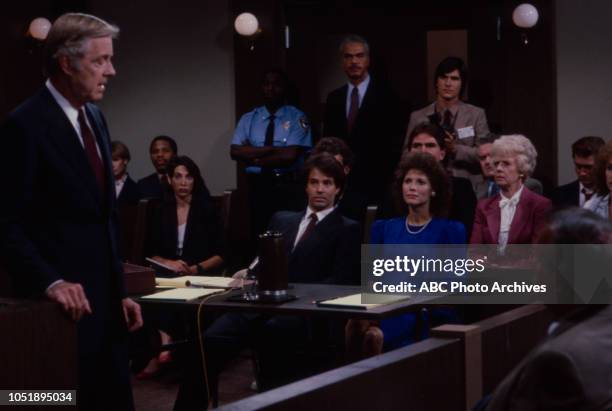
(198, 281)
(354, 301)
(182, 294)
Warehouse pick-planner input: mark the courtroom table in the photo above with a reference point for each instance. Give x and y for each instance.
(305, 304)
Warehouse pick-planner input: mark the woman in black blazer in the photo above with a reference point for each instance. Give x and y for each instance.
(185, 236)
(186, 232)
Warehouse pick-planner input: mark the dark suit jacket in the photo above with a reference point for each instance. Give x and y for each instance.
(330, 254)
(129, 194)
(353, 203)
(571, 371)
(567, 195)
(203, 237)
(55, 224)
(528, 221)
(376, 138)
(463, 202)
(150, 187)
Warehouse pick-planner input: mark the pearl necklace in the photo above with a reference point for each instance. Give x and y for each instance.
(423, 227)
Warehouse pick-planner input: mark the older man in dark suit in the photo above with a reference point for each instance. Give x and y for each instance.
(322, 247)
(365, 113)
(58, 224)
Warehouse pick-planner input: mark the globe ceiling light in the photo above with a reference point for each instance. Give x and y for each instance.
(246, 24)
(525, 16)
(39, 28)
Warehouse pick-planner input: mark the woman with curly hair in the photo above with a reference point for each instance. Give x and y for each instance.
(423, 186)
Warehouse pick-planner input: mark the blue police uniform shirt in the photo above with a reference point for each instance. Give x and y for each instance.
(291, 128)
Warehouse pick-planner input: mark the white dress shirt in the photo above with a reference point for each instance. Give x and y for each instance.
(508, 209)
(582, 197)
(361, 88)
(119, 185)
(72, 114)
(306, 220)
(180, 238)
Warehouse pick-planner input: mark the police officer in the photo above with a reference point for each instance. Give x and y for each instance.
(271, 141)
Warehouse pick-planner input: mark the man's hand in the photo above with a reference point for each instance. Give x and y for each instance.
(178, 266)
(449, 142)
(240, 274)
(72, 298)
(133, 316)
(239, 279)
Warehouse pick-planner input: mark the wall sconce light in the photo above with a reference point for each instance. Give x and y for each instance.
(39, 28)
(525, 16)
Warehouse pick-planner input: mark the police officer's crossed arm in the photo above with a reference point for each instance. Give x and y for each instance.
(268, 156)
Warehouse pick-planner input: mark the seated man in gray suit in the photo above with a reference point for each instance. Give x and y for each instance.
(322, 247)
(464, 123)
(486, 186)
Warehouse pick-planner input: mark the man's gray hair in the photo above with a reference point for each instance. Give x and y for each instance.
(68, 36)
(355, 38)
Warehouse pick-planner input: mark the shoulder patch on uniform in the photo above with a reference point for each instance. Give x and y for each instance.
(304, 123)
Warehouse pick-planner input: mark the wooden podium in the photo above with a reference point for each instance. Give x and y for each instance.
(38, 348)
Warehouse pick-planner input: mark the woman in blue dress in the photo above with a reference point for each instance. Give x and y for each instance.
(422, 184)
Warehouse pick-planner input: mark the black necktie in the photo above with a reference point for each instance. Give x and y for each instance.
(587, 194)
(446, 124)
(270, 132)
(89, 141)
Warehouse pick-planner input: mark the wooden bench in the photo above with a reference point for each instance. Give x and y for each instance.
(134, 223)
(494, 346)
(449, 371)
(38, 348)
(410, 378)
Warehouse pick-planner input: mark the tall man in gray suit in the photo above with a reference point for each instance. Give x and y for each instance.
(464, 123)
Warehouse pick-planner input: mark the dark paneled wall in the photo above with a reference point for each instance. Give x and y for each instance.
(514, 82)
(20, 73)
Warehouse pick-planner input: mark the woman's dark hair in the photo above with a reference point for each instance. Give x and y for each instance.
(436, 175)
(334, 146)
(451, 64)
(326, 164)
(599, 170)
(199, 187)
(120, 150)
